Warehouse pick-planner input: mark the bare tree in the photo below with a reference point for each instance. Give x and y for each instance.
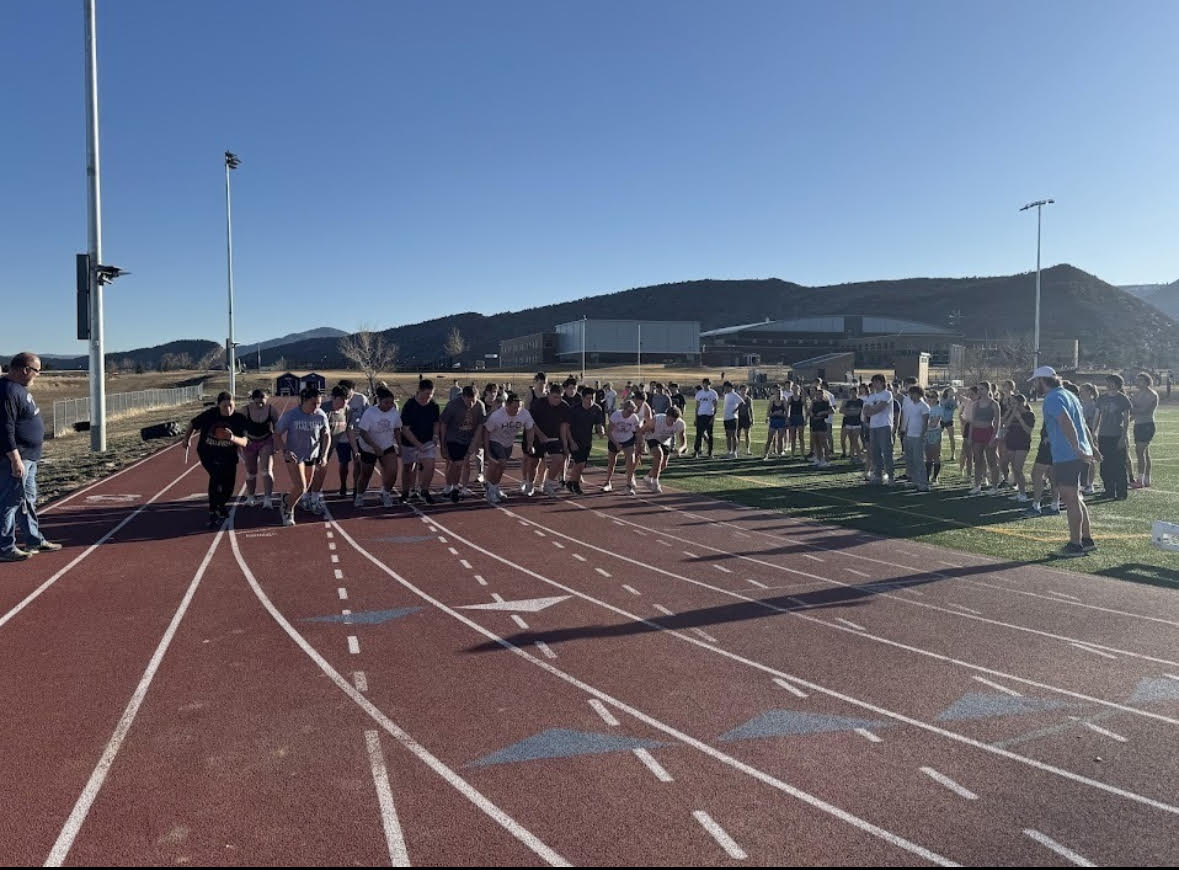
(369, 352)
(455, 343)
(214, 359)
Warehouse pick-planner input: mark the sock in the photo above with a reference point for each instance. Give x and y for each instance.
(937, 470)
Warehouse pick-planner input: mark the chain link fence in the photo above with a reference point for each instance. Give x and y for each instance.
(67, 412)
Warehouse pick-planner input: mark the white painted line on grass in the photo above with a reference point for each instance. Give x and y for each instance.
(360, 681)
(603, 572)
(755, 583)
(999, 688)
(718, 833)
(850, 624)
(722, 569)
(1104, 732)
(868, 735)
(790, 687)
(479, 579)
(631, 589)
(1062, 851)
(558, 545)
(394, 838)
(520, 622)
(942, 779)
(652, 765)
(353, 645)
(343, 593)
(465, 564)
(601, 710)
(1090, 649)
(579, 557)
(339, 574)
(544, 648)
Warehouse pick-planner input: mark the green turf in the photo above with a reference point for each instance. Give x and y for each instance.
(992, 526)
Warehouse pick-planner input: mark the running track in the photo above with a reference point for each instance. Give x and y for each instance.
(647, 680)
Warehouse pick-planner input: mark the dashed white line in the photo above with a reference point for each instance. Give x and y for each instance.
(722, 569)
(631, 589)
(394, 838)
(441, 539)
(353, 645)
(360, 681)
(662, 542)
(497, 597)
(1062, 595)
(618, 523)
(558, 545)
(741, 535)
(664, 610)
(964, 608)
(868, 735)
(544, 648)
(603, 572)
(1062, 851)
(652, 765)
(339, 574)
(857, 573)
(343, 593)
(703, 634)
(465, 564)
(520, 622)
(850, 624)
(1090, 649)
(790, 687)
(718, 833)
(690, 555)
(999, 688)
(522, 522)
(579, 557)
(335, 559)
(539, 533)
(601, 710)
(327, 525)
(942, 779)
(812, 558)
(640, 532)
(332, 545)
(330, 534)
(452, 551)
(1104, 732)
(479, 579)
(756, 583)
(948, 564)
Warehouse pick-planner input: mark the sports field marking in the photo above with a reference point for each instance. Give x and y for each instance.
(699, 632)
(558, 545)
(330, 534)
(964, 608)
(579, 557)
(663, 542)
(833, 693)
(332, 546)
(441, 539)
(812, 558)
(479, 579)
(601, 710)
(1090, 649)
(1105, 732)
(520, 833)
(690, 555)
(719, 834)
(539, 532)
(360, 681)
(77, 818)
(544, 648)
(41, 511)
(640, 533)
(1062, 851)
(1062, 595)
(353, 645)
(723, 569)
(452, 551)
(631, 589)
(335, 559)
(603, 572)
(868, 735)
(666, 611)
(857, 573)
(850, 624)
(394, 838)
(756, 583)
(61, 572)
(790, 687)
(652, 765)
(998, 688)
(338, 573)
(465, 564)
(343, 593)
(943, 780)
(497, 597)
(516, 618)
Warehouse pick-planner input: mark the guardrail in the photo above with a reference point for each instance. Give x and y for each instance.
(67, 412)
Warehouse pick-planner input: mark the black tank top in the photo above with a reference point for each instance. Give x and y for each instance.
(796, 406)
(819, 406)
(254, 429)
(777, 408)
(852, 415)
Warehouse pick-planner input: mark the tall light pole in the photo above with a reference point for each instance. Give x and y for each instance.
(94, 238)
(1038, 205)
(232, 161)
(640, 356)
(583, 347)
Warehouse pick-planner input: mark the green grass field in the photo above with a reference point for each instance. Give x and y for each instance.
(992, 526)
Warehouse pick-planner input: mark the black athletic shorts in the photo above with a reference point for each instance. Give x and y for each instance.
(1143, 433)
(652, 443)
(618, 448)
(1044, 454)
(818, 425)
(551, 447)
(580, 455)
(731, 425)
(1069, 473)
(343, 451)
(498, 452)
(456, 451)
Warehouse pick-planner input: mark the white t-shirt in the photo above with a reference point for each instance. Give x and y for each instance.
(883, 417)
(379, 426)
(644, 412)
(706, 402)
(356, 406)
(733, 401)
(914, 417)
(664, 430)
(502, 427)
(610, 401)
(624, 427)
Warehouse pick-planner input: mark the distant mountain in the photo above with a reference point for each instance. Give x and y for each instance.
(1164, 297)
(292, 338)
(1113, 326)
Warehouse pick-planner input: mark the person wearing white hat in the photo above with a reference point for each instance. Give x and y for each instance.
(1072, 453)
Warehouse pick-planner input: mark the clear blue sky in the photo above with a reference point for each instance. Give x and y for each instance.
(407, 160)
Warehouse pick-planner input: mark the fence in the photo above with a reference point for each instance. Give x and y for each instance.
(67, 412)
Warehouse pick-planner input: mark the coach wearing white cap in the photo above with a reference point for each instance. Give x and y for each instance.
(1072, 454)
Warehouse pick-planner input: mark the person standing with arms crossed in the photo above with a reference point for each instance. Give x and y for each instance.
(878, 408)
(706, 399)
(22, 432)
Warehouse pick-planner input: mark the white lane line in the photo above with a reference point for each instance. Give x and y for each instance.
(662, 542)
(868, 735)
(520, 622)
(652, 765)
(330, 534)
(452, 551)
(963, 607)
(741, 535)
(544, 648)
(949, 564)
(704, 634)
(338, 573)
(327, 525)
(441, 539)
(539, 533)
(1104, 732)
(41, 511)
(1062, 851)
(1061, 595)
(857, 573)
(812, 558)
(343, 593)
(497, 597)
(942, 779)
(640, 532)
(353, 645)
(718, 833)
(28, 599)
(690, 555)
(77, 818)
(603, 572)
(522, 522)
(665, 611)
(617, 523)
(1171, 676)
(631, 589)
(332, 545)
(335, 559)
(579, 557)
(394, 838)
(999, 688)
(755, 583)
(1090, 649)
(790, 687)
(479, 579)
(360, 681)
(850, 624)
(465, 564)
(601, 710)
(723, 569)
(558, 545)
(518, 831)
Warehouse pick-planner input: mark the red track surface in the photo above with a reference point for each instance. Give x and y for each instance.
(234, 730)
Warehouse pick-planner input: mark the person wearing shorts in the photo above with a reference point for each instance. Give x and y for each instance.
(1146, 402)
(745, 419)
(730, 402)
(706, 400)
(664, 434)
(622, 430)
(1021, 423)
(584, 420)
(419, 442)
(261, 417)
(820, 415)
(776, 414)
(459, 430)
(1071, 453)
(984, 437)
(377, 437)
(796, 420)
(550, 436)
(222, 431)
(302, 436)
(853, 421)
(356, 403)
(499, 434)
(337, 412)
(947, 408)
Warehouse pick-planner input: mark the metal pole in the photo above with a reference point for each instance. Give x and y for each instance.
(1036, 341)
(229, 350)
(639, 379)
(94, 237)
(583, 347)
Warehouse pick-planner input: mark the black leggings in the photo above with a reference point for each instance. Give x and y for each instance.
(222, 477)
(1114, 460)
(704, 424)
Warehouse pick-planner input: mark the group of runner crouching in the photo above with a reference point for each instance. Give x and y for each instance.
(554, 424)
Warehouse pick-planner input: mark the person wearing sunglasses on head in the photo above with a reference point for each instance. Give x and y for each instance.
(22, 432)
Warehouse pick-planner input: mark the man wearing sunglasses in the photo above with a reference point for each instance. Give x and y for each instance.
(21, 433)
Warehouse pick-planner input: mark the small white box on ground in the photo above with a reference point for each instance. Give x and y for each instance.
(1165, 536)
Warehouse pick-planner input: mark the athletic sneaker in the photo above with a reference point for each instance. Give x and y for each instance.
(994, 490)
(44, 547)
(1052, 511)
(465, 492)
(1088, 545)
(607, 487)
(1072, 551)
(651, 483)
(630, 489)
(251, 501)
(1033, 511)
(343, 493)
(16, 554)
(386, 499)
(577, 487)
(530, 488)
(425, 494)
(1020, 497)
(358, 501)
(1088, 490)
(975, 490)
(267, 503)
(549, 489)
(479, 479)
(657, 486)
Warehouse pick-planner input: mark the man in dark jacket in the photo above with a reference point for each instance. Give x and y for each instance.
(22, 432)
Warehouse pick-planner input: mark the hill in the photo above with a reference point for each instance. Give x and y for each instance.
(1164, 297)
(1112, 325)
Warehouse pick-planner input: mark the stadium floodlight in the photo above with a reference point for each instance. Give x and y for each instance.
(232, 161)
(1038, 205)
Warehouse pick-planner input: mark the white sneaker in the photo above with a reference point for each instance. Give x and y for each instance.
(994, 490)
(1021, 498)
(358, 501)
(630, 488)
(251, 501)
(549, 488)
(530, 488)
(267, 503)
(479, 479)
(524, 487)
(607, 487)
(656, 486)
(976, 490)
(464, 492)
(288, 518)
(1088, 490)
